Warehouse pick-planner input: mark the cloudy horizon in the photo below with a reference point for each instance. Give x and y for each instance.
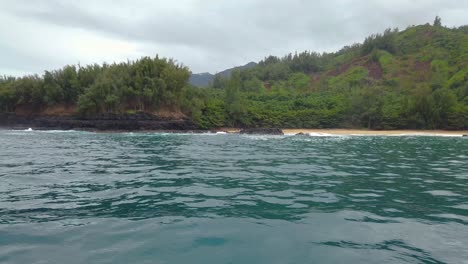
(207, 36)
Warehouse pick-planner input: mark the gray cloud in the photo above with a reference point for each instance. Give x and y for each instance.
(206, 35)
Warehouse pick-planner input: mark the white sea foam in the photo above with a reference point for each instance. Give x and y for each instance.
(424, 135)
(60, 131)
(175, 134)
(443, 193)
(263, 137)
(29, 130)
(316, 134)
(407, 135)
(258, 137)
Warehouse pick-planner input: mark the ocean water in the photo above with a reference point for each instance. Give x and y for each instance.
(82, 197)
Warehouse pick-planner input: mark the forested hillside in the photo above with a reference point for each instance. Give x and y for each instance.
(416, 78)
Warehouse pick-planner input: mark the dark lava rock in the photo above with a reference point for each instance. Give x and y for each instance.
(465, 136)
(141, 121)
(302, 134)
(261, 131)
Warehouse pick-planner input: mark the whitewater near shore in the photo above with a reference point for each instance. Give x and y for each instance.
(376, 132)
(287, 132)
(367, 132)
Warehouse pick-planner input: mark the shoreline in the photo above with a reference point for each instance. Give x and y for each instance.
(344, 131)
(144, 122)
(287, 131)
(378, 132)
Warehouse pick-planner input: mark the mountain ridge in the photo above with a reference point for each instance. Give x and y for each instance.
(204, 79)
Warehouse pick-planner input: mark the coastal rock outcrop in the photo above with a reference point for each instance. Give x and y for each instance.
(127, 122)
(261, 131)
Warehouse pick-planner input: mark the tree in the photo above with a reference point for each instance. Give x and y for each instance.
(7, 97)
(298, 81)
(234, 105)
(385, 41)
(68, 80)
(219, 82)
(424, 107)
(437, 21)
(53, 92)
(445, 103)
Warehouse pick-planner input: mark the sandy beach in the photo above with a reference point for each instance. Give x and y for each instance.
(366, 132)
(376, 132)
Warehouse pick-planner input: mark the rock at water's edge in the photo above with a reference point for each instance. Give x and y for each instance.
(106, 122)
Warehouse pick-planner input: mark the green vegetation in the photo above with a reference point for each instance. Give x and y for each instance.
(414, 79)
(147, 85)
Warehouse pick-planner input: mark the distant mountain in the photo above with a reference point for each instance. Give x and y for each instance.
(201, 79)
(227, 73)
(204, 79)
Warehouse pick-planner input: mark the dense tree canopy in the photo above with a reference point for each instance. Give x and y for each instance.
(147, 84)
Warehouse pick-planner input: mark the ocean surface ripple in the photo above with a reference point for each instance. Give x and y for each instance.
(82, 197)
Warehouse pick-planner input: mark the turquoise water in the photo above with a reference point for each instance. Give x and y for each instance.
(81, 197)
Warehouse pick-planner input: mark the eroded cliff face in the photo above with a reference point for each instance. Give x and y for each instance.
(126, 122)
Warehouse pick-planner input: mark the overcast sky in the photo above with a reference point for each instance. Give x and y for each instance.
(206, 35)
